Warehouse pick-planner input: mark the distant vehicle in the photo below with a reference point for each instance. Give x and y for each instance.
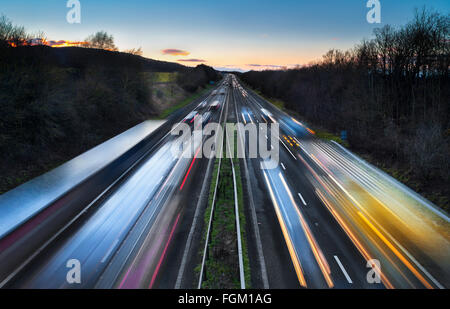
(267, 116)
(247, 115)
(222, 91)
(203, 104)
(295, 128)
(214, 92)
(214, 106)
(206, 117)
(190, 117)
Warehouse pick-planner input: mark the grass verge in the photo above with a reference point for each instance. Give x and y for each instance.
(163, 77)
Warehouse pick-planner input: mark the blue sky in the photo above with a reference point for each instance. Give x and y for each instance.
(223, 33)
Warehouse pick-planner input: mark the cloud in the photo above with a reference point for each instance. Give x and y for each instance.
(192, 60)
(174, 52)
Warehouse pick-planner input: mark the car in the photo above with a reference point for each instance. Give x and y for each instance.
(206, 117)
(203, 104)
(293, 127)
(190, 117)
(214, 106)
(247, 115)
(267, 116)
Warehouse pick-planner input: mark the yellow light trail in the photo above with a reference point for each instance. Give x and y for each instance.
(352, 237)
(396, 252)
(347, 230)
(383, 238)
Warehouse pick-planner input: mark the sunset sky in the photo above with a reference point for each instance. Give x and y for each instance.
(244, 34)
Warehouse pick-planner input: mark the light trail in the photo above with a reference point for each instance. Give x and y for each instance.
(190, 167)
(164, 252)
(312, 242)
(396, 252)
(292, 251)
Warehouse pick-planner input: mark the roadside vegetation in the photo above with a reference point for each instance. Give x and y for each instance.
(163, 77)
(188, 98)
(57, 103)
(391, 94)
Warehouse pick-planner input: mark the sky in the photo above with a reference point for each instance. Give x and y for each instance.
(231, 34)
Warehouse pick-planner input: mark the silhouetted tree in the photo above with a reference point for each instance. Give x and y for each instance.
(133, 51)
(12, 35)
(101, 40)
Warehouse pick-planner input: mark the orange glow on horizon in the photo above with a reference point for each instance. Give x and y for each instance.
(44, 42)
(68, 44)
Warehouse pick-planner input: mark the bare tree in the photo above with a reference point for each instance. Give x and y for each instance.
(11, 35)
(101, 40)
(134, 51)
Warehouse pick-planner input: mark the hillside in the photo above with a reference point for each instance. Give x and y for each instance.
(78, 57)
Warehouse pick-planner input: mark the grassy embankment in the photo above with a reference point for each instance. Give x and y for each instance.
(187, 100)
(163, 77)
(168, 96)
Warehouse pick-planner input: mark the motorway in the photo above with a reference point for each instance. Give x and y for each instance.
(321, 217)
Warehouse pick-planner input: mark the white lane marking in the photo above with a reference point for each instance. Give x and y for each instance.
(109, 250)
(282, 165)
(301, 197)
(287, 149)
(343, 270)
